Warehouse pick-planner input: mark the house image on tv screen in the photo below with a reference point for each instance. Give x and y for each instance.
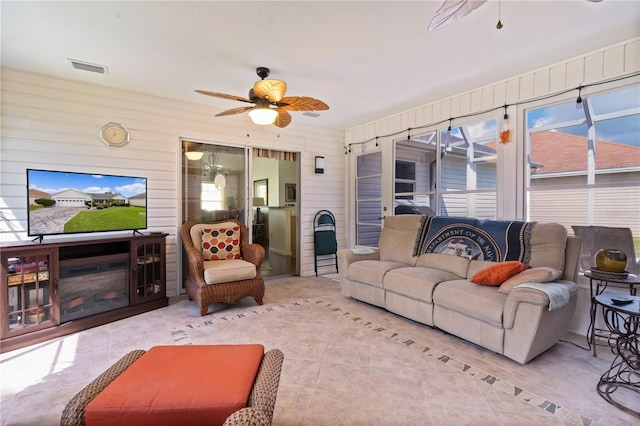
(75, 198)
(139, 200)
(35, 194)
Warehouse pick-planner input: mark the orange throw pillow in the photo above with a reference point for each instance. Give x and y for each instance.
(500, 272)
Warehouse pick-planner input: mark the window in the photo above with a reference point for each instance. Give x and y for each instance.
(368, 199)
(405, 179)
(454, 172)
(415, 175)
(468, 170)
(584, 162)
(211, 197)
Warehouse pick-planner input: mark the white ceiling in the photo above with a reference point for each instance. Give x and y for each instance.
(367, 60)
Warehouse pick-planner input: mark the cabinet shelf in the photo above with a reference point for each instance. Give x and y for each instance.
(144, 261)
(31, 277)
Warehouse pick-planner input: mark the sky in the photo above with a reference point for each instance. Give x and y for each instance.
(624, 129)
(54, 181)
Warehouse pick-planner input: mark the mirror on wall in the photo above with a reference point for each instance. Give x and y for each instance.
(261, 191)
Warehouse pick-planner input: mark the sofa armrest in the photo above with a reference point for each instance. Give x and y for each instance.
(347, 256)
(531, 296)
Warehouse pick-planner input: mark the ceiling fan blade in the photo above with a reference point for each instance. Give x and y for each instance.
(233, 111)
(452, 11)
(271, 90)
(283, 119)
(224, 96)
(302, 103)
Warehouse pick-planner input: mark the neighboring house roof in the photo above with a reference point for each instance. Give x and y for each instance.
(559, 152)
(66, 193)
(456, 142)
(38, 194)
(140, 196)
(484, 148)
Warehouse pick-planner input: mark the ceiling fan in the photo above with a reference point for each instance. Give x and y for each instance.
(454, 10)
(270, 104)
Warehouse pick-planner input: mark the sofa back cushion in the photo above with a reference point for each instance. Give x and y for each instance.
(477, 265)
(548, 243)
(445, 262)
(398, 237)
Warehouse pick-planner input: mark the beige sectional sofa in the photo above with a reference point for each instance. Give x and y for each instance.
(435, 289)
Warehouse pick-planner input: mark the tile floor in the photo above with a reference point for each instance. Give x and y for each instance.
(277, 265)
(346, 363)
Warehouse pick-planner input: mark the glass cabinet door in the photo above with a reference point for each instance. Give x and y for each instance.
(149, 271)
(30, 289)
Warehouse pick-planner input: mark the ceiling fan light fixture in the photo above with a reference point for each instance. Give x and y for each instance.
(270, 104)
(263, 115)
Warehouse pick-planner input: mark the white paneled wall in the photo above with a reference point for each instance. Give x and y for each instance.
(619, 60)
(50, 123)
(615, 61)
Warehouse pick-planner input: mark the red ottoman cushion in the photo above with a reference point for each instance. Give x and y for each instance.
(179, 385)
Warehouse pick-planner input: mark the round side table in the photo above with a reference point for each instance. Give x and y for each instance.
(598, 283)
(623, 377)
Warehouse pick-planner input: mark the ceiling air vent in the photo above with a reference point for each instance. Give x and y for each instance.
(86, 66)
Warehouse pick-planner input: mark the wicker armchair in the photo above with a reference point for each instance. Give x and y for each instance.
(207, 288)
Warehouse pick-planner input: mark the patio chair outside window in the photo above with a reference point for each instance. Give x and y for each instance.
(595, 238)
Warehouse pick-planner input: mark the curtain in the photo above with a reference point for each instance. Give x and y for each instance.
(278, 155)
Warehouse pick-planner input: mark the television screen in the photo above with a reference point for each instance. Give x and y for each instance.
(70, 202)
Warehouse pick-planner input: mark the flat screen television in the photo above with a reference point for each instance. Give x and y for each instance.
(71, 202)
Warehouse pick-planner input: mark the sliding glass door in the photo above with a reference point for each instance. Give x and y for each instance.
(214, 182)
(258, 187)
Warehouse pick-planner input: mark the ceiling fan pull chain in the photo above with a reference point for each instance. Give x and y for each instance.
(499, 24)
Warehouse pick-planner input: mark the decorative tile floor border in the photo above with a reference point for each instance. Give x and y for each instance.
(181, 337)
(567, 415)
(563, 413)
